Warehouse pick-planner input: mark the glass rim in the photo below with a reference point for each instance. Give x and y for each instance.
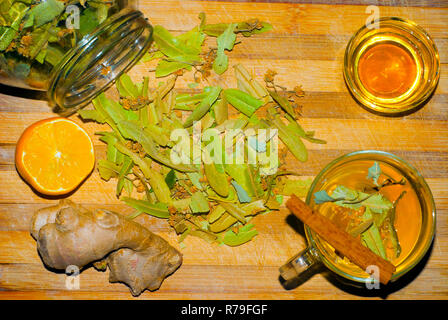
(381, 108)
(332, 266)
(58, 88)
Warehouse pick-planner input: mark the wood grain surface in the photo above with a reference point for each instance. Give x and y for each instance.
(306, 47)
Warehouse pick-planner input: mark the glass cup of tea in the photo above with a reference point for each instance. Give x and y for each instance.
(414, 215)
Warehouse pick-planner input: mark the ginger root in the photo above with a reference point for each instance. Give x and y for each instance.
(69, 235)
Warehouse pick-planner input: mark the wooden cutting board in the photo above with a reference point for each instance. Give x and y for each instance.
(306, 47)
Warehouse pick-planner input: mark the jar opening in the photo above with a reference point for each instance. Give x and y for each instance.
(97, 60)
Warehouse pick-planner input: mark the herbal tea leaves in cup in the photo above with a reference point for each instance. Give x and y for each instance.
(369, 213)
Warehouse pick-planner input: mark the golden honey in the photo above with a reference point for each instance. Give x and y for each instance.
(392, 70)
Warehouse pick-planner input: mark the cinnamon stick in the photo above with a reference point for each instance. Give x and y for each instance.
(340, 240)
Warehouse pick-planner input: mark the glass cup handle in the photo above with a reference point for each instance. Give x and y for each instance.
(298, 264)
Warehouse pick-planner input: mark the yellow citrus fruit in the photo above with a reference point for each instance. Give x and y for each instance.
(54, 156)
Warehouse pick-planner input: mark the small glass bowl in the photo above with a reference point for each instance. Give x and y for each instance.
(416, 42)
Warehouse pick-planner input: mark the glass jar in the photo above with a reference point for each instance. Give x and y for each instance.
(73, 50)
